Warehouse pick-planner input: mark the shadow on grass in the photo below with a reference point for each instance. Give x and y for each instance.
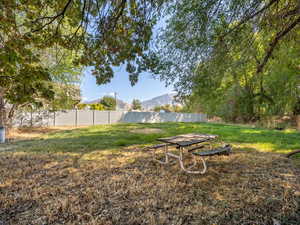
(86, 140)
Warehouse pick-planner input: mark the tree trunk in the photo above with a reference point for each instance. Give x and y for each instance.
(2, 117)
(2, 111)
(235, 111)
(298, 122)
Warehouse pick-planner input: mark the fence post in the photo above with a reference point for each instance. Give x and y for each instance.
(108, 117)
(75, 117)
(93, 117)
(31, 122)
(54, 118)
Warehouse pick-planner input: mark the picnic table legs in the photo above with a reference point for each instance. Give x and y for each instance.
(166, 161)
(180, 157)
(188, 170)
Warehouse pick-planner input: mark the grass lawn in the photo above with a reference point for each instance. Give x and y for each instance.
(102, 175)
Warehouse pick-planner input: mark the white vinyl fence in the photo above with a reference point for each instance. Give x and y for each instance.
(94, 117)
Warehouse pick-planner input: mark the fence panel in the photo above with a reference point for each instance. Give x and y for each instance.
(85, 117)
(94, 117)
(155, 117)
(101, 117)
(65, 118)
(116, 116)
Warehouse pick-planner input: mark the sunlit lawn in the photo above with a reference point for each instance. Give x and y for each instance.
(102, 175)
(113, 137)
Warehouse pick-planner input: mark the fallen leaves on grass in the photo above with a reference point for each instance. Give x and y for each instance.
(243, 188)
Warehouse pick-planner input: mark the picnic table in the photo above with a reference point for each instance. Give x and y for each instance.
(186, 145)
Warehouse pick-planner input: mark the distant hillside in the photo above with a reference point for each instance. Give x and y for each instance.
(159, 101)
(146, 105)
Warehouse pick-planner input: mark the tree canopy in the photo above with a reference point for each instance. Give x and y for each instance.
(107, 33)
(102, 33)
(96, 33)
(108, 102)
(211, 49)
(97, 106)
(238, 58)
(136, 104)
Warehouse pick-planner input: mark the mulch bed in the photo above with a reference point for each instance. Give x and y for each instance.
(128, 188)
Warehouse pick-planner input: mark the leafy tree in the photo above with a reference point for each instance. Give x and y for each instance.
(177, 108)
(81, 106)
(97, 106)
(136, 104)
(229, 87)
(157, 109)
(105, 33)
(108, 102)
(168, 108)
(29, 61)
(100, 34)
(236, 59)
(41, 83)
(199, 30)
(66, 96)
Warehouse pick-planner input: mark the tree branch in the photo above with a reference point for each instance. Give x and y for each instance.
(292, 12)
(292, 153)
(11, 111)
(121, 8)
(247, 18)
(273, 44)
(53, 18)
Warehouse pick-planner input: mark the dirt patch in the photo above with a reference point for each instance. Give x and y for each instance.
(128, 188)
(34, 132)
(147, 131)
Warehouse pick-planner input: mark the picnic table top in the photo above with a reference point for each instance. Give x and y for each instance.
(185, 140)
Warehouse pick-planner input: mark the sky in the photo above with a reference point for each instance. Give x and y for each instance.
(145, 89)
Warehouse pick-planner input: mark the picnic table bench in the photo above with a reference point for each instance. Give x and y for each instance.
(188, 144)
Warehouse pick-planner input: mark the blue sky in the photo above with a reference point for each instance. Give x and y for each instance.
(145, 89)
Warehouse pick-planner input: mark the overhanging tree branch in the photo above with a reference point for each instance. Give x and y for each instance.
(53, 18)
(249, 17)
(292, 153)
(273, 44)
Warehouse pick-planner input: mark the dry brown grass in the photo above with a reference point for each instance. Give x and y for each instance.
(34, 132)
(128, 188)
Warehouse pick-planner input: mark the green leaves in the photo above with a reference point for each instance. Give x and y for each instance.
(226, 55)
(101, 33)
(36, 68)
(136, 104)
(108, 102)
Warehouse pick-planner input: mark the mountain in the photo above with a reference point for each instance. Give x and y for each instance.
(121, 105)
(146, 105)
(159, 101)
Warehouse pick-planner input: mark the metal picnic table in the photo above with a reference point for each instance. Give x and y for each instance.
(186, 144)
